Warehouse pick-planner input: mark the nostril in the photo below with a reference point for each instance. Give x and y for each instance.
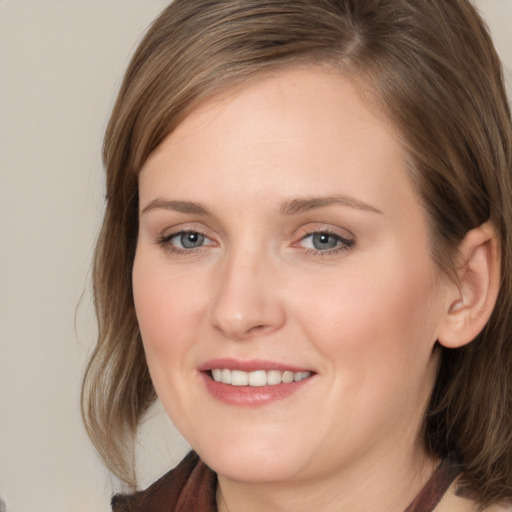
(258, 328)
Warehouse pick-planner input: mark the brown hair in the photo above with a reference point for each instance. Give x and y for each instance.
(430, 65)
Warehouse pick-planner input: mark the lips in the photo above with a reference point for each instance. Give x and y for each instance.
(250, 383)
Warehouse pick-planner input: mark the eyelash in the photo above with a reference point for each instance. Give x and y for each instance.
(164, 242)
(343, 244)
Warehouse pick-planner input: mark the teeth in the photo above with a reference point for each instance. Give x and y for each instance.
(257, 378)
(239, 378)
(274, 377)
(288, 377)
(226, 376)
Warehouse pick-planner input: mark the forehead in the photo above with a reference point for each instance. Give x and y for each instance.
(318, 87)
(300, 131)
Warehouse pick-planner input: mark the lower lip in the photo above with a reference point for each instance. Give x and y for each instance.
(250, 396)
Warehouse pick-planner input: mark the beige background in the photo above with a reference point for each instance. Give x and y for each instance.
(60, 66)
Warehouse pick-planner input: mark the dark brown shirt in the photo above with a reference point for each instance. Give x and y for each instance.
(191, 487)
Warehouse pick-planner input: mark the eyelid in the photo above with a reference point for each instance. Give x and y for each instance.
(312, 228)
(168, 231)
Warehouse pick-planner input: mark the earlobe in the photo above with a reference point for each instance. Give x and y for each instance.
(473, 295)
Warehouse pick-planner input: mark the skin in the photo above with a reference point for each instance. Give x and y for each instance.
(364, 316)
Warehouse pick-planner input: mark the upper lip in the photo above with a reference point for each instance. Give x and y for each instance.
(248, 366)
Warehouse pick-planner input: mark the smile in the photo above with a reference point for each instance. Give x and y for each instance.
(257, 378)
(252, 383)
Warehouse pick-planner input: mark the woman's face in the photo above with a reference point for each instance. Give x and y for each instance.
(281, 239)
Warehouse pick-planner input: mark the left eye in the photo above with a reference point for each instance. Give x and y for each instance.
(188, 240)
(323, 241)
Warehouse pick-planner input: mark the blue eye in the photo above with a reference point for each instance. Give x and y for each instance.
(184, 241)
(325, 241)
(189, 240)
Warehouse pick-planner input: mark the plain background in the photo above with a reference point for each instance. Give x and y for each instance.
(61, 63)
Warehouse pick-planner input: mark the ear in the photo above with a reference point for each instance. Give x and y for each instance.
(472, 297)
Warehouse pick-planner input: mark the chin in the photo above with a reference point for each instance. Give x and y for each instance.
(255, 461)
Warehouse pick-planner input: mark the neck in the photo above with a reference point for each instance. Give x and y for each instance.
(388, 486)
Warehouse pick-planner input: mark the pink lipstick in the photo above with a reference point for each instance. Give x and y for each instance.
(252, 383)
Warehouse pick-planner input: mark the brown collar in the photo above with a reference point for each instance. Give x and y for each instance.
(430, 496)
(191, 486)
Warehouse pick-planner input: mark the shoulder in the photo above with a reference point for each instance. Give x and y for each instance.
(189, 486)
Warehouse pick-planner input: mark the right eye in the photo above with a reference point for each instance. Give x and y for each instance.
(185, 241)
(188, 240)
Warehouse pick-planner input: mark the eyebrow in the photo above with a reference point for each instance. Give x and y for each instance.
(177, 206)
(291, 207)
(301, 205)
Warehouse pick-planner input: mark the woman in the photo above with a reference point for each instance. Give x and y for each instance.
(306, 256)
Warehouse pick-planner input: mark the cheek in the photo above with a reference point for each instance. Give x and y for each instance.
(381, 317)
(165, 311)
(378, 337)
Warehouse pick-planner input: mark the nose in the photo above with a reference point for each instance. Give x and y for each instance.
(247, 301)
